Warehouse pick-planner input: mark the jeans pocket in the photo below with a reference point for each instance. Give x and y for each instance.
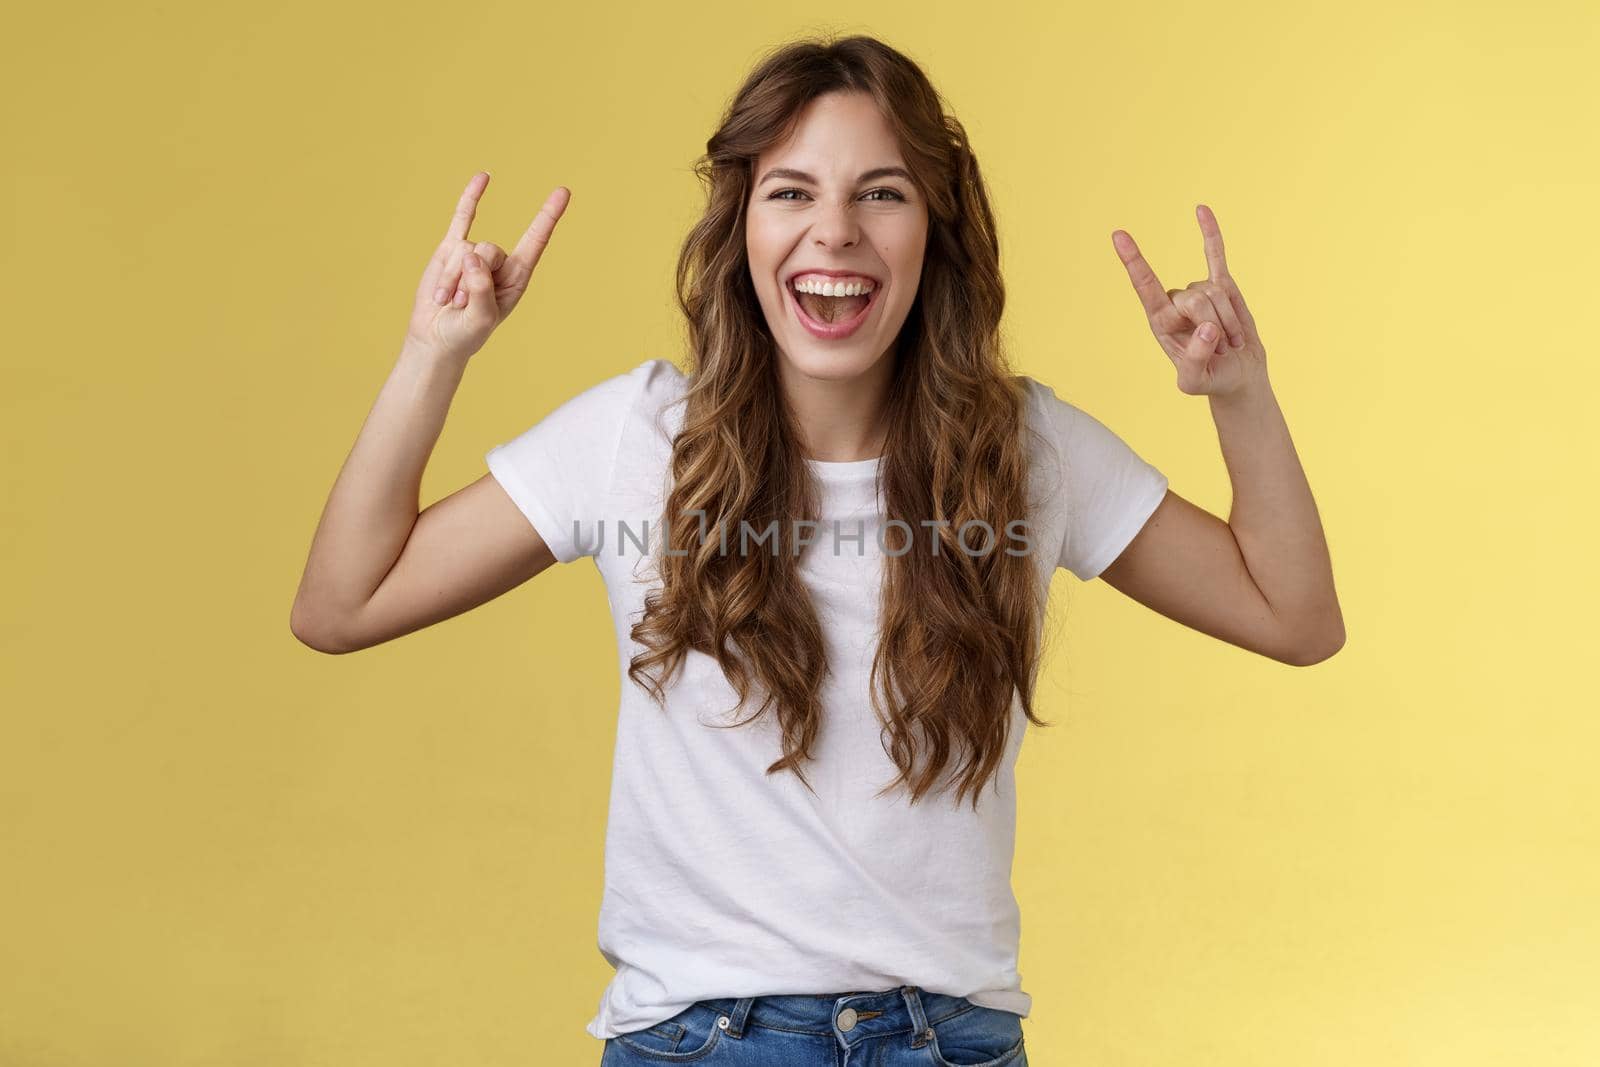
(690, 1035)
(977, 1037)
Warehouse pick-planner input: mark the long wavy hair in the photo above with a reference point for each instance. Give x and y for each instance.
(958, 633)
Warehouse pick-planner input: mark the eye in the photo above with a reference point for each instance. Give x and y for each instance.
(894, 194)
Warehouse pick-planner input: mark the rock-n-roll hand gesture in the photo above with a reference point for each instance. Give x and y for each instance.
(1205, 327)
(469, 287)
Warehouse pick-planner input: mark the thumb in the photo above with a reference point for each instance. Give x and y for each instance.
(1197, 357)
(478, 284)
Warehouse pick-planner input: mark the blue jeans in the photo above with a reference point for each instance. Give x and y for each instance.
(903, 1027)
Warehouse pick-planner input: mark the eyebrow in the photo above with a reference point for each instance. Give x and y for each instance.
(866, 176)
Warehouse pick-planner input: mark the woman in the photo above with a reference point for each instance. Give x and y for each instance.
(845, 522)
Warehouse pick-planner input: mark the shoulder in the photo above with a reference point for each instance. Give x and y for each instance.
(1069, 426)
(649, 383)
(1045, 404)
(1066, 436)
(660, 378)
(630, 398)
(1048, 417)
(662, 383)
(656, 408)
(650, 405)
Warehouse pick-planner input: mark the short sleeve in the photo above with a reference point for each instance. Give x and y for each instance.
(1109, 490)
(558, 471)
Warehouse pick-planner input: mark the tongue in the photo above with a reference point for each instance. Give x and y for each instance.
(832, 308)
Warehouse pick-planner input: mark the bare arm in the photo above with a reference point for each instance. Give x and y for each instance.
(378, 567)
(1263, 579)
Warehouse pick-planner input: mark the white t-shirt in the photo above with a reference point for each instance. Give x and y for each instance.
(722, 880)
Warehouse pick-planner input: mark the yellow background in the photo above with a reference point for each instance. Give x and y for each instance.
(222, 848)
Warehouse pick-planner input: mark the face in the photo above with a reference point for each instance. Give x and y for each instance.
(820, 213)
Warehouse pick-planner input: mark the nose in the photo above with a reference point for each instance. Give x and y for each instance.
(835, 227)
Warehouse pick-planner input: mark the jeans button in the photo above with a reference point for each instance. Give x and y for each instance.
(847, 1020)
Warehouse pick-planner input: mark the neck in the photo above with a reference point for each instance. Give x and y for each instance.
(840, 419)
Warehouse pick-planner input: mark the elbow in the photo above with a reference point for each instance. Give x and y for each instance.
(313, 631)
(1317, 644)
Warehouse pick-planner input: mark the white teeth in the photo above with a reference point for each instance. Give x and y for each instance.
(824, 288)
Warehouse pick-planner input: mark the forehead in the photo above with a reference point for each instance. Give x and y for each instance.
(836, 131)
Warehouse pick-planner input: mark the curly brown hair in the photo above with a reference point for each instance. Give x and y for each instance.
(959, 633)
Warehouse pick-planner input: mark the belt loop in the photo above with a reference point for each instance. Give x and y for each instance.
(920, 1031)
(736, 1018)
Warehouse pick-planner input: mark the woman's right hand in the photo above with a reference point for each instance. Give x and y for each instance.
(469, 287)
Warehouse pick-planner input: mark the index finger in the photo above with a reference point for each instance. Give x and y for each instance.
(1151, 293)
(466, 207)
(1216, 261)
(531, 245)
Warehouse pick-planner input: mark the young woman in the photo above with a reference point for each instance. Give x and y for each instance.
(844, 522)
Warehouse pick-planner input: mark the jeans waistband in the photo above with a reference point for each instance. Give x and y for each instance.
(851, 1016)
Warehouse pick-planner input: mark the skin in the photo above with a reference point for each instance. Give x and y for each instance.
(831, 220)
(379, 567)
(1263, 579)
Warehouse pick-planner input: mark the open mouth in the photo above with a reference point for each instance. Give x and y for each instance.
(832, 317)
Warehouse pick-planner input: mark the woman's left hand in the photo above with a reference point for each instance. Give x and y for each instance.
(1232, 358)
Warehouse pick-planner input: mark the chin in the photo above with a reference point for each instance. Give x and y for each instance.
(837, 364)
